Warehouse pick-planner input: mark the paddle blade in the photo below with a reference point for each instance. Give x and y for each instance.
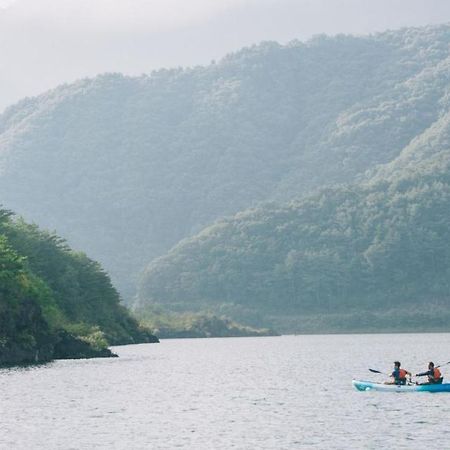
(440, 365)
(375, 371)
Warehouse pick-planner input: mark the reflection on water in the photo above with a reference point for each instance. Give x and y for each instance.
(285, 392)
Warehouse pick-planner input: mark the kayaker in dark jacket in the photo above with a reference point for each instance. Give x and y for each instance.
(433, 373)
(399, 375)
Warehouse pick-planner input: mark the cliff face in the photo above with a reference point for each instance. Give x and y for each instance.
(26, 337)
(28, 340)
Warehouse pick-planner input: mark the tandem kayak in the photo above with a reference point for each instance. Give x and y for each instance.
(370, 386)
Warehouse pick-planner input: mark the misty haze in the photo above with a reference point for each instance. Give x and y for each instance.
(271, 174)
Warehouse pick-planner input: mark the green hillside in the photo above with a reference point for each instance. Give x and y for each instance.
(126, 167)
(370, 256)
(55, 302)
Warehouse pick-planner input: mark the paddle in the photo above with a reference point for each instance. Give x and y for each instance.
(436, 367)
(440, 365)
(379, 371)
(388, 374)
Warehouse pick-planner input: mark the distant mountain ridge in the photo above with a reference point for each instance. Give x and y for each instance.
(371, 256)
(127, 167)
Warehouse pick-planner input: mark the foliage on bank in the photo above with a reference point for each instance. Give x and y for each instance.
(168, 324)
(45, 288)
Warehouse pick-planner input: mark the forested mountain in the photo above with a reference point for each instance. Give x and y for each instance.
(374, 255)
(55, 302)
(126, 167)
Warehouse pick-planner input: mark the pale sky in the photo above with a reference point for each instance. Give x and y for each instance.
(44, 43)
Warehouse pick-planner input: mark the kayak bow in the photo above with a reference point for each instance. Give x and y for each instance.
(370, 386)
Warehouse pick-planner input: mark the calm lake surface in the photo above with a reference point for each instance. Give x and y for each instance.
(289, 392)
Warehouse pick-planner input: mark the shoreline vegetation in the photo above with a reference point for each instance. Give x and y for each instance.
(372, 322)
(171, 325)
(171, 152)
(56, 303)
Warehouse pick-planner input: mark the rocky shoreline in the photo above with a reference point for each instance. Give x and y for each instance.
(62, 345)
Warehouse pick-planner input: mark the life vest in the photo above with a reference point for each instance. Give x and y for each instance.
(402, 374)
(436, 374)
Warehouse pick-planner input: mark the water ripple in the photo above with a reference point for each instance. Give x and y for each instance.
(290, 392)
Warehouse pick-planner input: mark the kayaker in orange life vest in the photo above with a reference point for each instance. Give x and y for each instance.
(399, 374)
(433, 373)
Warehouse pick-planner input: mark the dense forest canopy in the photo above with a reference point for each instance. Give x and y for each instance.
(126, 167)
(46, 288)
(373, 255)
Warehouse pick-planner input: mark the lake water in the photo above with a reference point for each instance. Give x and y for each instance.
(289, 392)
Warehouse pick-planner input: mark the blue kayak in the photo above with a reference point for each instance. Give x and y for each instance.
(370, 386)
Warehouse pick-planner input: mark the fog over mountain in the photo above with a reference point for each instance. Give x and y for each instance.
(44, 43)
(125, 167)
(369, 256)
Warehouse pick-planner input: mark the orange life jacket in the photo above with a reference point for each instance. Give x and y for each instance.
(436, 374)
(402, 373)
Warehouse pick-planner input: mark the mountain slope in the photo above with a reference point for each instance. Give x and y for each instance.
(126, 167)
(370, 256)
(55, 302)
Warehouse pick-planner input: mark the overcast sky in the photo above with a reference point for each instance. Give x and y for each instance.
(47, 42)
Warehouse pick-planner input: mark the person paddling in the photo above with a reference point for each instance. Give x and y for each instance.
(399, 375)
(433, 373)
